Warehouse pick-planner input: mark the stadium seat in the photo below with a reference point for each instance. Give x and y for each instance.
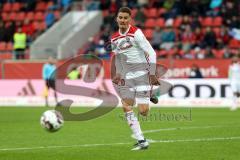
(12, 16)
(134, 11)
(16, 6)
(234, 43)
(150, 23)
(161, 11)
(4, 16)
(177, 22)
(7, 55)
(41, 6)
(30, 16)
(9, 46)
(39, 25)
(21, 16)
(39, 16)
(7, 7)
(148, 33)
(217, 31)
(151, 13)
(208, 21)
(218, 53)
(217, 21)
(160, 22)
(2, 46)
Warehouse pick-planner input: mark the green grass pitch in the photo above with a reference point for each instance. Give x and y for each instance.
(176, 133)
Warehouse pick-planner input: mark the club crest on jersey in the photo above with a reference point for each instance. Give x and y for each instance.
(125, 44)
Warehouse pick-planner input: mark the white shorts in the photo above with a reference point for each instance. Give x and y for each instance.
(235, 86)
(137, 89)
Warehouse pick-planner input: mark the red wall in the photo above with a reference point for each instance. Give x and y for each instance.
(33, 70)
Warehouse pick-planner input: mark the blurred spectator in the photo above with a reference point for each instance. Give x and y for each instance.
(142, 3)
(187, 38)
(74, 74)
(223, 37)
(9, 31)
(227, 53)
(235, 22)
(28, 29)
(198, 37)
(66, 5)
(209, 39)
(140, 17)
(19, 44)
(175, 53)
(90, 5)
(28, 5)
(168, 36)
(113, 6)
(195, 23)
(100, 50)
(199, 54)
(2, 31)
(187, 54)
(195, 72)
(49, 18)
(91, 47)
(156, 39)
(209, 53)
(185, 22)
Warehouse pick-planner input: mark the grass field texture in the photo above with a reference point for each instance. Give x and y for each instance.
(175, 133)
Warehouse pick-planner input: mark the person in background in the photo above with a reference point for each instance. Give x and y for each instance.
(19, 44)
(234, 78)
(195, 72)
(49, 76)
(74, 74)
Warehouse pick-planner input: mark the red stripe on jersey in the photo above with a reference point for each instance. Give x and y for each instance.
(132, 29)
(122, 37)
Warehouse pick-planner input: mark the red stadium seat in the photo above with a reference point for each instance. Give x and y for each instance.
(42, 25)
(7, 7)
(161, 11)
(30, 16)
(16, 6)
(12, 16)
(177, 22)
(5, 16)
(39, 16)
(41, 6)
(9, 46)
(148, 33)
(3, 46)
(7, 55)
(217, 21)
(217, 31)
(134, 11)
(151, 13)
(160, 22)
(208, 21)
(21, 16)
(218, 53)
(234, 43)
(150, 23)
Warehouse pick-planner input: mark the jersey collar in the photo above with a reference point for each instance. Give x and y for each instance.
(122, 34)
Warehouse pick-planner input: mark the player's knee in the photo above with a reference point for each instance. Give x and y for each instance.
(144, 111)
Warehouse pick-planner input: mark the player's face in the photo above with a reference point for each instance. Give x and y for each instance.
(123, 20)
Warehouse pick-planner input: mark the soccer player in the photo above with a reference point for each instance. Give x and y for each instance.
(135, 62)
(48, 74)
(234, 77)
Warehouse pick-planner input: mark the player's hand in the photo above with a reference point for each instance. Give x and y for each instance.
(153, 80)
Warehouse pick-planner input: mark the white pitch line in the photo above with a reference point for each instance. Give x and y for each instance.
(114, 144)
(181, 128)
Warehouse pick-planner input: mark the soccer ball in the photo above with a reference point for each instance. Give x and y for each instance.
(51, 120)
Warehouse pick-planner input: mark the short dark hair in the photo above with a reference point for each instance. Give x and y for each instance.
(125, 9)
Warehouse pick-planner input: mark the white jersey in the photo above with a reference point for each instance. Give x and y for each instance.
(234, 72)
(134, 54)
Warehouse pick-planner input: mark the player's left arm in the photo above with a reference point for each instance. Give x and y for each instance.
(144, 44)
